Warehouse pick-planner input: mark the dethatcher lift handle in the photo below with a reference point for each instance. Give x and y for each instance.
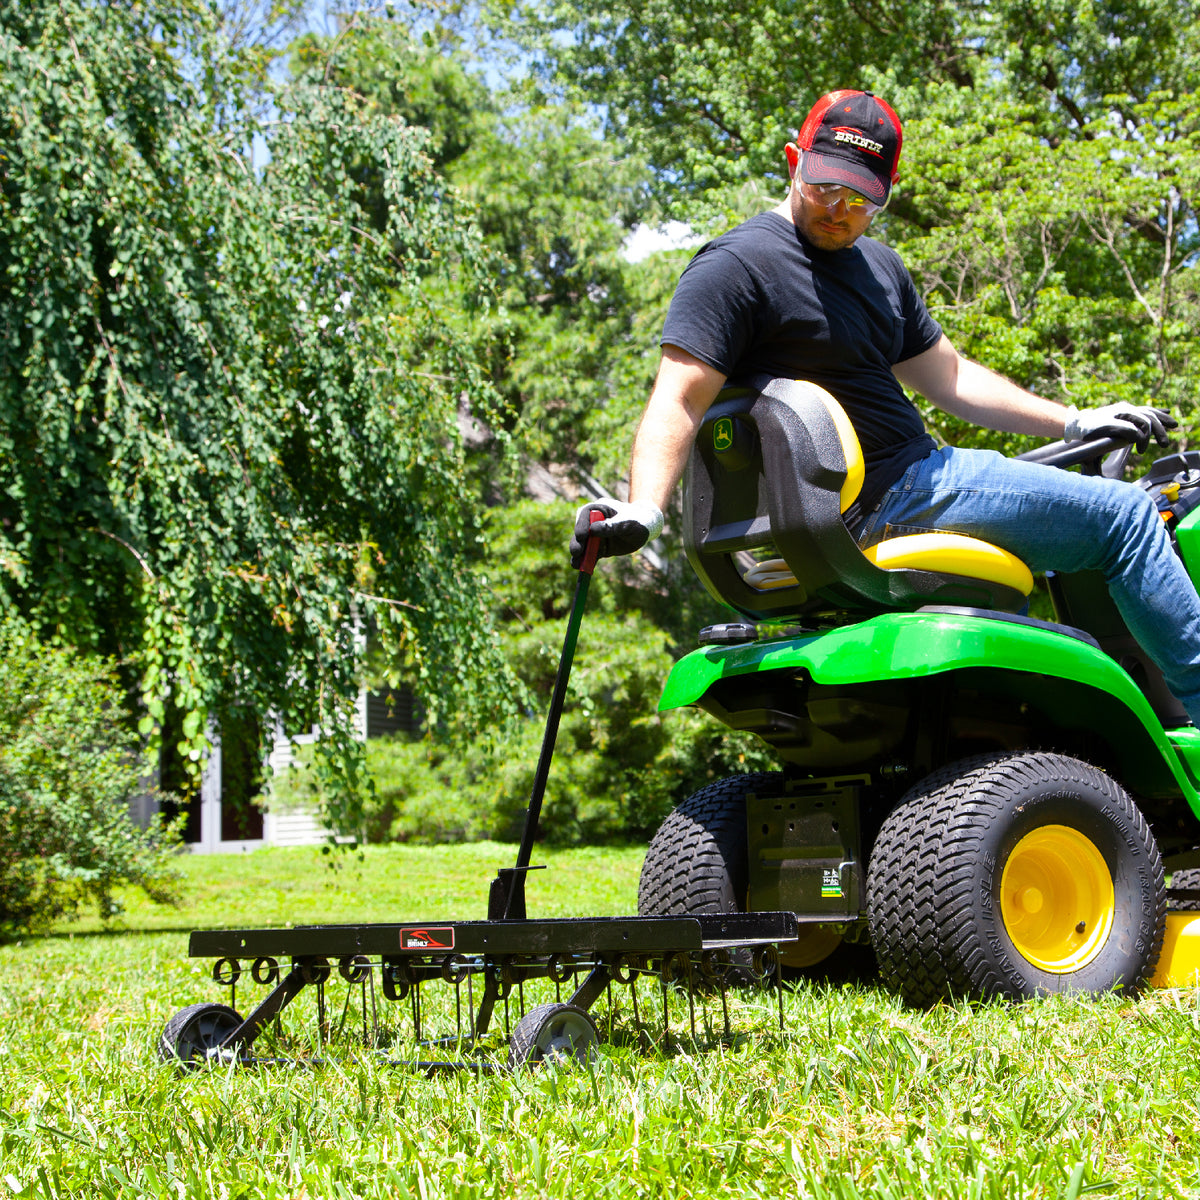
(506, 900)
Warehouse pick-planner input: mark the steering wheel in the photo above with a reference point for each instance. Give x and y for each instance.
(1113, 466)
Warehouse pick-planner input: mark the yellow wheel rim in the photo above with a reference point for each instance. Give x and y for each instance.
(1056, 899)
(813, 945)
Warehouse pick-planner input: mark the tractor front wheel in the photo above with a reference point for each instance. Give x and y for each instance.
(1015, 876)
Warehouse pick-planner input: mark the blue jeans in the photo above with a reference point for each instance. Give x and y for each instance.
(1056, 520)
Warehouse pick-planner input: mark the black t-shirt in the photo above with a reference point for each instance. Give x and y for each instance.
(761, 300)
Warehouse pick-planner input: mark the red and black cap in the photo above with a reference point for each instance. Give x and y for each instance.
(852, 138)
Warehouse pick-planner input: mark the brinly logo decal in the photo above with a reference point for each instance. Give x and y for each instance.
(430, 937)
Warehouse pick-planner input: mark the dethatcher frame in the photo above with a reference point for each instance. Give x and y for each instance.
(492, 962)
(497, 957)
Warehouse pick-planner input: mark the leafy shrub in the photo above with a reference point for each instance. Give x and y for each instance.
(610, 783)
(69, 767)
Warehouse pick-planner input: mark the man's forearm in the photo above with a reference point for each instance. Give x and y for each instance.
(660, 452)
(967, 389)
(986, 398)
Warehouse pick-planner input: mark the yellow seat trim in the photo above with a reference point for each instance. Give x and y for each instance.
(856, 467)
(952, 554)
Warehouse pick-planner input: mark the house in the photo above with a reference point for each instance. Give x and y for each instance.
(228, 815)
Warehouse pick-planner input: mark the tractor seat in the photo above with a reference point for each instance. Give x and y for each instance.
(946, 553)
(773, 470)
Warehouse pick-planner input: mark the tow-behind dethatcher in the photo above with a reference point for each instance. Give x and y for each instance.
(436, 994)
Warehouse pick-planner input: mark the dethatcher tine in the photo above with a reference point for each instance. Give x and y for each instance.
(539, 978)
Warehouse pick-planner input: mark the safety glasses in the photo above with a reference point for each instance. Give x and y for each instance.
(830, 195)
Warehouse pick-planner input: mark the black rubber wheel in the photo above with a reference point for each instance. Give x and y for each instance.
(1187, 880)
(193, 1031)
(555, 1034)
(697, 863)
(1015, 876)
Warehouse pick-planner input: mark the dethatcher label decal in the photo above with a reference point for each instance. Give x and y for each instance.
(428, 937)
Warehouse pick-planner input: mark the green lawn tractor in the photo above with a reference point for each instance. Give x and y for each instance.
(981, 802)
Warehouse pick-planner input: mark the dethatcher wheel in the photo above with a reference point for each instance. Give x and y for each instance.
(553, 1033)
(192, 1032)
(1015, 876)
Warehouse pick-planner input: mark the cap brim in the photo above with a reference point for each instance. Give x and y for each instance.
(824, 168)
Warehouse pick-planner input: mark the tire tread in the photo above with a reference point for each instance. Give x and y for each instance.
(925, 864)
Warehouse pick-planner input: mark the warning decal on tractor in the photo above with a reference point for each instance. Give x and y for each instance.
(428, 937)
(831, 883)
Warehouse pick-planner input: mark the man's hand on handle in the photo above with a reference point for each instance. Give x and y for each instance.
(1120, 421)
(626, 527)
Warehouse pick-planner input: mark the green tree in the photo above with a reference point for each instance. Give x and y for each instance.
(573, 344)
(1068, 266)
(708, 93)
(1046, 203)
(230, 395)
(704, 90)
(554, 201)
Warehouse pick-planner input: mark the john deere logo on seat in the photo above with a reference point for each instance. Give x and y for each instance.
(723, 435)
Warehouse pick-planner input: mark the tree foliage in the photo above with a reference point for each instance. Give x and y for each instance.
(554, 201)
(1046, 206)
(573, 343)
(233, 392)
(230, 395)
(708, 93)
(1068, 266)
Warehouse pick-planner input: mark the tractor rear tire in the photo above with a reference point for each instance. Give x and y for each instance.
(698, 863)
(1015, 876)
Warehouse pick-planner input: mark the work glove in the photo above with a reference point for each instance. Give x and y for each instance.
(1120, 421)
(625, 528)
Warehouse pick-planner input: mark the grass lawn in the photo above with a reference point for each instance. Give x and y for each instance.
(857, 1097)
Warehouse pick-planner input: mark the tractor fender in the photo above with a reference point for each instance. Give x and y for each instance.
(899, 646)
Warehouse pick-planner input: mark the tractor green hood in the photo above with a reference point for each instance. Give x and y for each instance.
(907, 646)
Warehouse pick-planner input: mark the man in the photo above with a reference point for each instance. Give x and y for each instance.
(798, 292)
